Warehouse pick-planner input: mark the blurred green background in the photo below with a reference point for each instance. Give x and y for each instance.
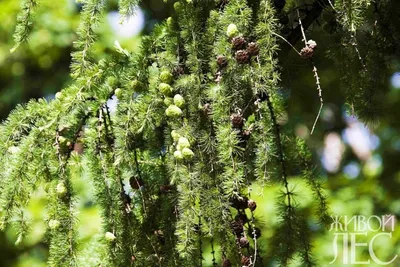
(360, 165)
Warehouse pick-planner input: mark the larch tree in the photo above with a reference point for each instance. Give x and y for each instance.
(199, 120)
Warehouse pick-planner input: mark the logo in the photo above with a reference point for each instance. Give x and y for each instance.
(349, 231)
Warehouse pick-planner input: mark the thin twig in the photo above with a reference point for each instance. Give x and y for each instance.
(355, 45)
(317, 80)
(284, 39)
(330, 3)
(319, 95)
(254, 238)
(301, 28)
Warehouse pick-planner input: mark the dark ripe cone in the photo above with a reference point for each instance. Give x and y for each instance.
(226, 263)
(238, 43)
(243, 242)
(242, 57)
(135, 182)
(242, 218)
(237, 120)
(222, 61)
(178, 70)
(237, 228)
(239, 203)
(246, 261)
(307, 52)
(252, 205)
(253, 49)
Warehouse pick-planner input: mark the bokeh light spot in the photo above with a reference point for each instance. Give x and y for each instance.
(129, 27)
(395, 80)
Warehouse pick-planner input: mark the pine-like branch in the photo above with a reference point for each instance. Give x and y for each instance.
(90, 18)
(24, 23)
(127, 8)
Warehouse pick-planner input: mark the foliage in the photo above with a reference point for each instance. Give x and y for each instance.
(45, 54)
(199, 123)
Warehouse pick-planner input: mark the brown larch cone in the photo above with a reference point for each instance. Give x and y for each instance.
(253, 49)
(242, 57)
(312, 44)
(243, 242)
(226, 263)
(178, 70)
(241, 217)
(246, 261)
(238, 43)
(307, 52)
(239, 203)
(222, 61)
(135, 182)
(237, 228)
(237, 120)
(252, 205)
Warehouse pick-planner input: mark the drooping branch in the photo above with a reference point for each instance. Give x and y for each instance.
(24, 23)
